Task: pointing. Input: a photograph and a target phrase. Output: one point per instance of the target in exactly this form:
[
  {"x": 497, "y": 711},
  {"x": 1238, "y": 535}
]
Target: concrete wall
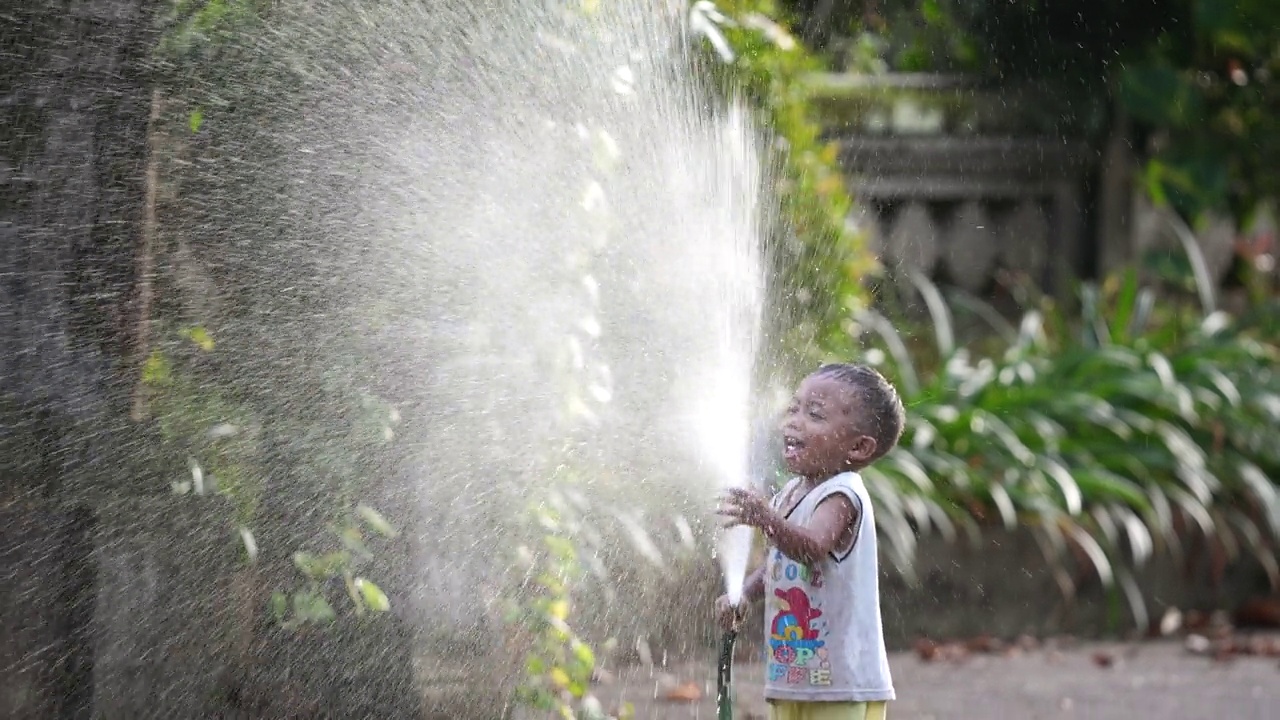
[
  {"x": 1004, "y": 586},
  {"x": 143, "y": 609},
  {"x": 43, "y": 658},
  {"x": 163, "y": 616}
]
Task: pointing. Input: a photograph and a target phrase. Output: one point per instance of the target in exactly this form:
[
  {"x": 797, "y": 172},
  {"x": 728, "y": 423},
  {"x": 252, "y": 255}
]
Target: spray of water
[
  {"x": 725, "y": 435},
  {"x": 722, "y": 396},
  {"x": 547, "y": 233}
]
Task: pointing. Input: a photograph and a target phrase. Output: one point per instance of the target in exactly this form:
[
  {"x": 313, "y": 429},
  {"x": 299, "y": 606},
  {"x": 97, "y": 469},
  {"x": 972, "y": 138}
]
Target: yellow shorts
[{"x": 791, "y": 710}]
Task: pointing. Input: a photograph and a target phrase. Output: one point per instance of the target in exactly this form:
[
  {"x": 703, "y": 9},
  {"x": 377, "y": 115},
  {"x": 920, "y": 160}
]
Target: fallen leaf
[
  {"x": 927, "y": 649},
  {"x": 1195, "y": 620},
  {"x": 1259, "y": 612},
  {"x": 1171, "y": 622},
  {"x": 1027, "y": 642},
  {"x": 954, "y": 652},
  {"x": 1221, "y": 622},
  {"x": 1197, "y": 644},
  {"x": 685, "y": 692},
  {"x": 985, "y": 644}
]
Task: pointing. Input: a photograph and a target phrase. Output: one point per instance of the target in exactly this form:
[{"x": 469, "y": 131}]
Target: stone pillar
[
  {"x": 1115, "y": 236},
  {"x": 913, "y": 242},
  {"x": 1066, "y": 261},
  {"x": 1024, "y": 239},
  {"x": 1217, "y": 240},
  {"x": 971, "y": 249}
]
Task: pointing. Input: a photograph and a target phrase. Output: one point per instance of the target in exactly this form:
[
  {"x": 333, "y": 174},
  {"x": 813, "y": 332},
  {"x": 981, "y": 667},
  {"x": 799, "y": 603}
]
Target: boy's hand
[
  {"x": 727, "y": 615},
  {"x": 743, "y": 507}
]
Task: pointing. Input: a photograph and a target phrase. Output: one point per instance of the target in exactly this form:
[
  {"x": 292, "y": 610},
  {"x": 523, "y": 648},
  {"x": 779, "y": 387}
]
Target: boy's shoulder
[
  {"x": 787, "y": 494},
  {"x": 848, "y": 479},
  {"x": 847, "y": 483}
]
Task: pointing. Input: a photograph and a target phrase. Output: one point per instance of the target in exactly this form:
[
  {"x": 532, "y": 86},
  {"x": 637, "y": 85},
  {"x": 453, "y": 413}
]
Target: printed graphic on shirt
[{"x": 797, "y": 651}]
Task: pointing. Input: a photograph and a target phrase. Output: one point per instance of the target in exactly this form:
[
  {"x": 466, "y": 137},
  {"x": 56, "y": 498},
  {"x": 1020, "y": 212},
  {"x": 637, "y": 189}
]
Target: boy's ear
[{"x": 862, "y": 450}]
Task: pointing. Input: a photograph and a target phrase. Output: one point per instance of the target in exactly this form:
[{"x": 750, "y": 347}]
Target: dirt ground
[{"x": 1096, "y": 681}]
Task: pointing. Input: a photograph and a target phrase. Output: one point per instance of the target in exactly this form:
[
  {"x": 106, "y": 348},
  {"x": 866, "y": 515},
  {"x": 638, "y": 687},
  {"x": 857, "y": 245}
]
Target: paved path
[{"x": 1151, "y": 680}]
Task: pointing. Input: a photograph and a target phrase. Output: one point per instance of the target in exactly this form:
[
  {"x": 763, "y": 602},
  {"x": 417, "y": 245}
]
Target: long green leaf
[
  {"x": 986, "y": 312},
  {"x": 943, "y": 327},
  {"x": 897, "y": 349},
  {"x": 1199, "y": 266},
  {"x": 1094, "y": 552}
]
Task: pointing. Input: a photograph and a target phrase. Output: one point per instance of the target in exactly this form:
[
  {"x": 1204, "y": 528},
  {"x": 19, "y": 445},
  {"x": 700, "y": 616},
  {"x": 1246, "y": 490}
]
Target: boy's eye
[{"x": 815, "y": 414}]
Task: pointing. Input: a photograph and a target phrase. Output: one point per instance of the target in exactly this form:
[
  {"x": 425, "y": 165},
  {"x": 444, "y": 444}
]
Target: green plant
[
  {"x": 217, "y": 435},
  {"x": 1112, "y": 435},
  {"x": 1206, "y": 87},
  {"x": 198, "y": 423},
  {"x": 190, "y": 27},
  {"x": 821, "y": 261},
  {"x": 558, "y": 663},
  {"x": 322, "y": 572}
]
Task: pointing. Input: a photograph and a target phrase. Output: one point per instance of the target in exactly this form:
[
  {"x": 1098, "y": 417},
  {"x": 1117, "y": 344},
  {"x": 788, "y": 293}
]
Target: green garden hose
[
  {"x": 724, "y": 678},
  {"x": 724, "y": 672}
]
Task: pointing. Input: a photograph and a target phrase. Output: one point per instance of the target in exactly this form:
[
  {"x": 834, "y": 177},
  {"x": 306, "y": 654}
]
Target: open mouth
[{"x": 791, "y": 447}]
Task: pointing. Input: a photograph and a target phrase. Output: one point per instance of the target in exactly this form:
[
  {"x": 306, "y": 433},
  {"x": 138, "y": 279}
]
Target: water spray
[
  {"x": 448, "y": 131},
  {"x": 735, "y": 550}
]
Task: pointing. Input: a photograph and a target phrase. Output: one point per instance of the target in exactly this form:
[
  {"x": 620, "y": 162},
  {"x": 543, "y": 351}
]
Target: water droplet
[{"x": 624, "y": 81}]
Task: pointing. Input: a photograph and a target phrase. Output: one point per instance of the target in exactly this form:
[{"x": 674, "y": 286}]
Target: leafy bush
[
  {"x": 820, "y": 260},
  {"x": 1112, "y": 435},
  {"x": 558, "y": 662}
]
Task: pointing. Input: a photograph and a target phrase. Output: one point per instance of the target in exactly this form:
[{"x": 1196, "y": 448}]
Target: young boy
[{"x": 823, "y": 633}]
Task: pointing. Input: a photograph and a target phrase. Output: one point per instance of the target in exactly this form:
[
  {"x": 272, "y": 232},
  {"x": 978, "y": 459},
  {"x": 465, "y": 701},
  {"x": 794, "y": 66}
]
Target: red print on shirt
[{"x": 797, "y": 612}]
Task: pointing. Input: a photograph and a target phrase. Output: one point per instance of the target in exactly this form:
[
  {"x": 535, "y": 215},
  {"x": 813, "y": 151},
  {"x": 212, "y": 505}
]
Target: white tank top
[{"x": 824, "y": 639}]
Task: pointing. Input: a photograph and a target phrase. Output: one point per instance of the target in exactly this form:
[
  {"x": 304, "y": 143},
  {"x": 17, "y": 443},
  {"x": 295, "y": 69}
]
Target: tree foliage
[
  {"x": 822, "y": 261},
  {"x": 1198, "y": 76},
  {"x": 1208, "y": 89}
]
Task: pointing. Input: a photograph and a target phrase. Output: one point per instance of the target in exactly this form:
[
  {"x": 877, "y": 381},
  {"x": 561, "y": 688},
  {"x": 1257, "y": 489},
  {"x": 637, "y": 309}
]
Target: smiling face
[{"x": 820, "y": 430}]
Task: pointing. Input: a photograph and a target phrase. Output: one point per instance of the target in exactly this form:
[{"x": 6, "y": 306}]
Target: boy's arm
[{"x": 831, "y": 520}]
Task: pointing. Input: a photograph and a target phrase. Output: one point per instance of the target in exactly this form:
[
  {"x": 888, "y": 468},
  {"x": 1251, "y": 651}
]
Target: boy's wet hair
[{"x": 880, "y": 402}]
